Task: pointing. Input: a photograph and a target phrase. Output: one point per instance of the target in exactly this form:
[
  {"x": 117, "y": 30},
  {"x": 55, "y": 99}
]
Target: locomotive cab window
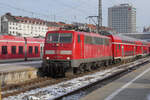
[
  {"x": 13, "y": 49},
  {"x": 59, "y": 38},
  {"x": 30, "y": 49},
  {"x": 4, "y": 50}
]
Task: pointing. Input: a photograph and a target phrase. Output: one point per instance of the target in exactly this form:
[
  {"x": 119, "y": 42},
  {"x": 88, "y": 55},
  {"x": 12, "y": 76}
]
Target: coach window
[
  {"x": 79, "y": 39},
  {"x": 30, "y": 49},
  {"x": 4, "y": 50},
  {"x": 36, "y": 50},
  {"x": 20, "y": 49},
  {"x": 119, "y": 47},
  {"x": 116, "y": 46},
  {"x": 13, "y": 49}
]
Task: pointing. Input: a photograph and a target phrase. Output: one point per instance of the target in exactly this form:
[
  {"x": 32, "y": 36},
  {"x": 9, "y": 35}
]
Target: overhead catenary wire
[
  {"x": 31, "y": 13},
  {"x": 76, "y": 8},
  {"x": 81, "y": 12}
]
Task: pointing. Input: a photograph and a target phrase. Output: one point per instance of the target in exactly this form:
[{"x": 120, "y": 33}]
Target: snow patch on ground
[{"x": 54, "y": 91}]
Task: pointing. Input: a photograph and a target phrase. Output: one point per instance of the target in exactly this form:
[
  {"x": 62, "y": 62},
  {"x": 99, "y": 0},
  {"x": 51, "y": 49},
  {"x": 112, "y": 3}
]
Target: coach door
[
  {"x": 134, "y": 51},
  {"x": 122, "y": 51},
  {"x": 25, "y": 54},
  {"x": 142, "y": 50},
  {"x": 80, "y": 46},
  {"x": 41, "y": 50}
]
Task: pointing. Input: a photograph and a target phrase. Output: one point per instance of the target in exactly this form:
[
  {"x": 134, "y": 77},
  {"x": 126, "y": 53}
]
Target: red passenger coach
[
  {"x": 34, "y": 48},
  {"x": 122, "y": 47},
  {"x": 148, "y": 47},
  {"x": 77, "y": 50},
  {"x": 14, "y": 48},
  {"x": 117, "y": 49},
  {"x": 8, "y": 49},
  {"x": 126, "y": 48}
]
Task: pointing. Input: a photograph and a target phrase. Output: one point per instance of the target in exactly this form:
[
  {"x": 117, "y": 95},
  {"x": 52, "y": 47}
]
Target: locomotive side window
[
  {"x": 4, "y": 50},
  {"x": 98, "y": 40},
  {"x": 65, "y": 38},
  {"x": 88, "y": 40},
  {"x": 106, "y": 42},
  {"x": 36, "y": 50},
  {"x": 13, "y": 49},
  {"x": 30, "y": 49},
  {"x": 20, "y": 49},
  {"x": 79, "y": 39}
]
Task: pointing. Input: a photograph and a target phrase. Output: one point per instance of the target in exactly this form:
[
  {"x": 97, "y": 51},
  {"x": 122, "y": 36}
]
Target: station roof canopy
[{"x": 142, "y": 36}]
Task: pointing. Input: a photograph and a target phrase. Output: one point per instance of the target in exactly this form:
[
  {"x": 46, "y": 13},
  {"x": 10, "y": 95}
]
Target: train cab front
[{"x": 58, "y": 52}]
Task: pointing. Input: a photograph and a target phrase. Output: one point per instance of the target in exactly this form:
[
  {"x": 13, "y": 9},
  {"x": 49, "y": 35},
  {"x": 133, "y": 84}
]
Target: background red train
[
  {"x": 83, "y": 51},
  {"x": 14, "y": 48}
]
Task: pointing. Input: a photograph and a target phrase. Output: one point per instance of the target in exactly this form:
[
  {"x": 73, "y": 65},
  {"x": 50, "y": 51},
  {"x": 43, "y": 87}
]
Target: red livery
[
  {"x": 14, "y": 48},
  {"x": 84, "y": 51}
]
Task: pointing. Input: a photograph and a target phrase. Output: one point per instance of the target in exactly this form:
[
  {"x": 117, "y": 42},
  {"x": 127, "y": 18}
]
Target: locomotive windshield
[{"x": 59, "y": 38}]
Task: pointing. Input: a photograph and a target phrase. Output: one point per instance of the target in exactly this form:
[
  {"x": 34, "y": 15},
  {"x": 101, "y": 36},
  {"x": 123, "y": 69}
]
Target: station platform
[
  {"x": 11, "y": 73},
  {"x": 132, "y": 86}
]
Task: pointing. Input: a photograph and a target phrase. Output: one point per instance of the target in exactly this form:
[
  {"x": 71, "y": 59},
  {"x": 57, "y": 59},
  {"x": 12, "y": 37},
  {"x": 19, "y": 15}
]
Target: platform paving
[
  {"x": 11, "y": 73},
  {"x": 132, "y": 86}
]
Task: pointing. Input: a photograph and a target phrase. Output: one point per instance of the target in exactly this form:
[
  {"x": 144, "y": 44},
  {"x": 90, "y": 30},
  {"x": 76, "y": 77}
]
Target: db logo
[{"x": 57, "y": 52}]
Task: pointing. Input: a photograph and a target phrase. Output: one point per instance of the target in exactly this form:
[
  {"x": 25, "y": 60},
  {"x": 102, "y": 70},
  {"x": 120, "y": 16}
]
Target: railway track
[{"x": 62, "y": 83}]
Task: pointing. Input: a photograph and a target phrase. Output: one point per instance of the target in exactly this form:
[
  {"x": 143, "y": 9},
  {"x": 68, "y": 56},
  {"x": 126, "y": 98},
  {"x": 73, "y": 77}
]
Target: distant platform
[
  {"x": 11, "y": 73},
  {"x": 132, "y": 86}
]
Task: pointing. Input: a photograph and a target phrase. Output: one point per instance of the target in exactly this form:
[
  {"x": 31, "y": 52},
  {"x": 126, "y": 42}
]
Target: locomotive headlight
[
  {"x": 68, "y": 58},
  {"x": 47, "y": 58}
]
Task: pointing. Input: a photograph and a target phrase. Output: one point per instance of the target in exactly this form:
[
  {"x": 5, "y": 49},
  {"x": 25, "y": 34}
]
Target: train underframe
[
  {"x": 54, "y": 68},
  {"x": 59, "y": 68}
]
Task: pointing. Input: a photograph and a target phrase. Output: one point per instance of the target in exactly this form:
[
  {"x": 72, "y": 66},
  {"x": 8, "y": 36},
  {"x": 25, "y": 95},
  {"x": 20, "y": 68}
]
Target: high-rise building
[{"x": 122, "y": 18}]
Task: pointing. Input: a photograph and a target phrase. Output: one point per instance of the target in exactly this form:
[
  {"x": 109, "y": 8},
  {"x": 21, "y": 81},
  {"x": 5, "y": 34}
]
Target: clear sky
[{"x": 72, "y": 10}]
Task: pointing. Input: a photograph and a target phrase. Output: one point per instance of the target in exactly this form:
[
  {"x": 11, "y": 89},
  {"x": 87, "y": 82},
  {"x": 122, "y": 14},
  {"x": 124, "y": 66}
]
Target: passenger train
[
  {"x": 83, "y": 51},
  {"x": 14, "y": 48}
]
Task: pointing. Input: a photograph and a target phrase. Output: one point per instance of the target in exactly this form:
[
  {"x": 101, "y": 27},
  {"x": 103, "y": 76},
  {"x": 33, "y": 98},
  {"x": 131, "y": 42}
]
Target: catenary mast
[{"x": 99, "y": 15}]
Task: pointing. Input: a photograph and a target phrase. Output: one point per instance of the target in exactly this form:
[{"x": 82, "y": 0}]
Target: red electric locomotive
[
  {"x": 14, "y": 48},
  {"x": 83, "y": 51},
  {"x": 76, "y": 50}
]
